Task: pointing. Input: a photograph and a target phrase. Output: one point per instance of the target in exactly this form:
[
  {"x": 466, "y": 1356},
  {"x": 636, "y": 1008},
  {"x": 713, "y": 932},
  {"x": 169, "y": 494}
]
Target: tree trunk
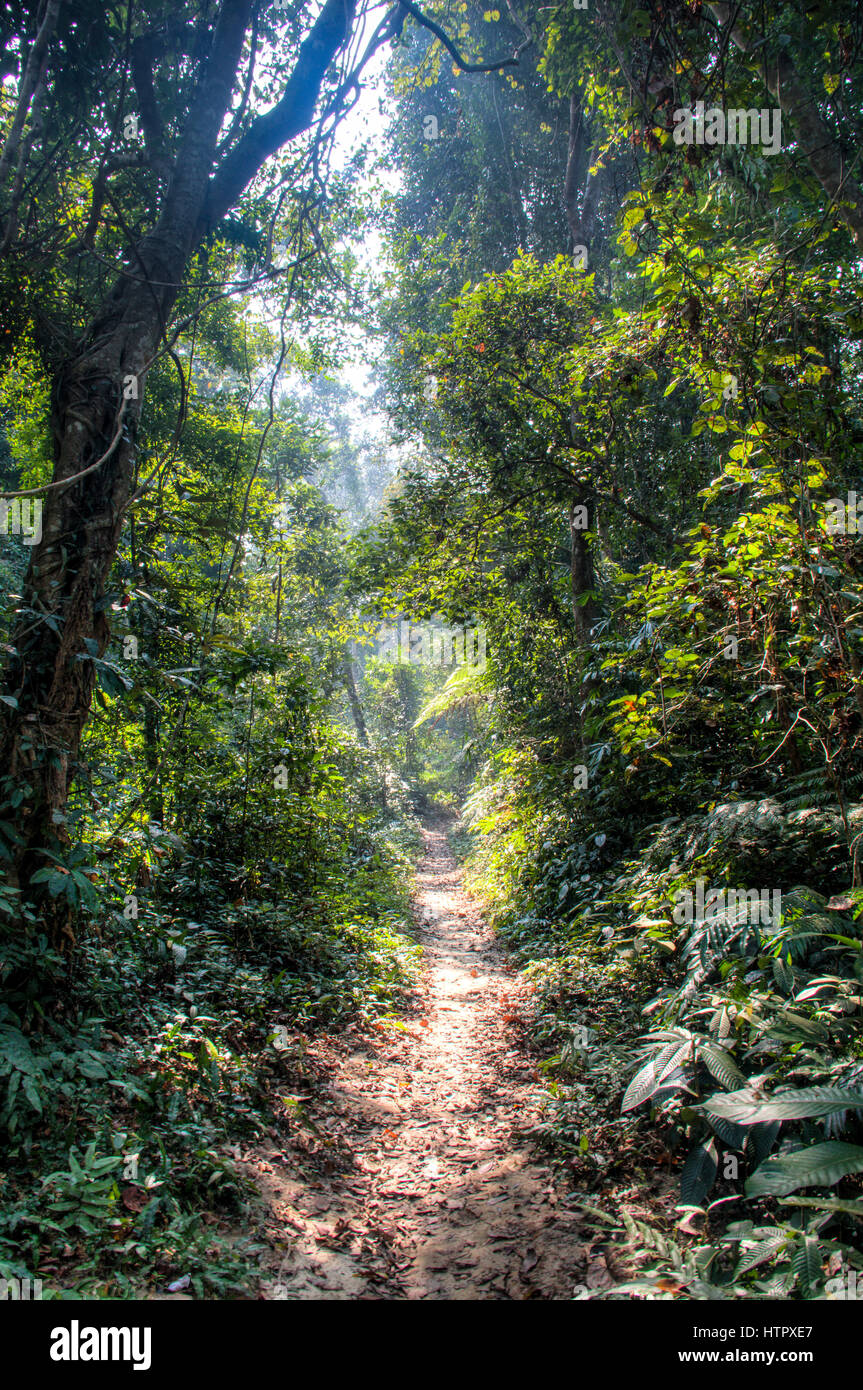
[
  {"x": 354, "y": 701},
  {"x": 580, "y": 202},
  {"x": 62, "y": 626}
]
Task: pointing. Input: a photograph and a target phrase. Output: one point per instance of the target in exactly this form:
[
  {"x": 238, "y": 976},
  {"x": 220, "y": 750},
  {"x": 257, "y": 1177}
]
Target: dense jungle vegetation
[{"x": 318, "y": 317}]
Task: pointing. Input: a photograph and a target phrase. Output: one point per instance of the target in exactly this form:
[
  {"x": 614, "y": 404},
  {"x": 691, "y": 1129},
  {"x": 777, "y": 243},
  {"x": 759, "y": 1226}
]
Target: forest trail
[{"x": 420, "y": 1183}]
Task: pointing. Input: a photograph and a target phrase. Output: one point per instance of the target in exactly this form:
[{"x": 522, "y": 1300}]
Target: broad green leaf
[
  {"x": 743, "y": 1108},
  {"x": 806, "y": 1263},
  {"x": 819, "y": 1165},
  {"x": 699, "y": 1173},
  {"x": 721, "y": 1065}
]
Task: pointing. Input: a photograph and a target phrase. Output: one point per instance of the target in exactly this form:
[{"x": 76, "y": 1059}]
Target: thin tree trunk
[
  {"x": 580, "y": 199},
  {"x": 30, "y": 81},
  {"x": 354, "y": 701},
  {"x": 96, "y": 398}
]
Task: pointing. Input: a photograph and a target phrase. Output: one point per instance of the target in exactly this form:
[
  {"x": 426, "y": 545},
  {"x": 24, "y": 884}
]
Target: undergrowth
[
  {"x": 704, "y": 1078},
  {"x": 178, "y": 1035}
]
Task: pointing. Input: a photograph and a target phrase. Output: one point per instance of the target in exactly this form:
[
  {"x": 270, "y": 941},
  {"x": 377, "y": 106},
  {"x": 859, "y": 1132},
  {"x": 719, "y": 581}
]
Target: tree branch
[
  {"x": 451, "y": 48},
  {"x": 293, "y": 114},
  {"x": 144, "y": 51},
  {"x": 31, "y": 79}
]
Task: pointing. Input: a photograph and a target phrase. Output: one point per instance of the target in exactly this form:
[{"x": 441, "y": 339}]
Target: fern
[{"x": 466, "y": 687}]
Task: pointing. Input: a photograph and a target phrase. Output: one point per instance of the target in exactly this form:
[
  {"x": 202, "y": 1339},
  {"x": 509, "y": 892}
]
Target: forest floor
[{"x": 414, "y": 1176}]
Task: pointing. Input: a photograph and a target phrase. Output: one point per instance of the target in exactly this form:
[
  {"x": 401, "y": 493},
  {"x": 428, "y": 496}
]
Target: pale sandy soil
[{"x": 420, "y": 1183}]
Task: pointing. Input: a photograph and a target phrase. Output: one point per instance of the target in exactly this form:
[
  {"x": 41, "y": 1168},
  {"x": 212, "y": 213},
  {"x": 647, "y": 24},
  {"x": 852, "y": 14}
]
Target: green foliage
[
  {"x": 626, "y": 471},
  {"x": 223, "y": 1006},
  {"x": 232, "y": 860}
]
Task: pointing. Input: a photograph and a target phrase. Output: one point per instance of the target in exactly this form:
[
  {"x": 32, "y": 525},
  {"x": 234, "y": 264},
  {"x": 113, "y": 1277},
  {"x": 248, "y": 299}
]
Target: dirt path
[{"x": 418, "y": 1184}]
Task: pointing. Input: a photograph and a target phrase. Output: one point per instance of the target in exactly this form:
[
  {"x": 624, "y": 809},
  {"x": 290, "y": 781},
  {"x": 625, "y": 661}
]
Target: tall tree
[{"x": 193, "y": 77}]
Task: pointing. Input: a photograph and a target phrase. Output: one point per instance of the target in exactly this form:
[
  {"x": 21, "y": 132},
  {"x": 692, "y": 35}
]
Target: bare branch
[{"x": 451, "y": 48}]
